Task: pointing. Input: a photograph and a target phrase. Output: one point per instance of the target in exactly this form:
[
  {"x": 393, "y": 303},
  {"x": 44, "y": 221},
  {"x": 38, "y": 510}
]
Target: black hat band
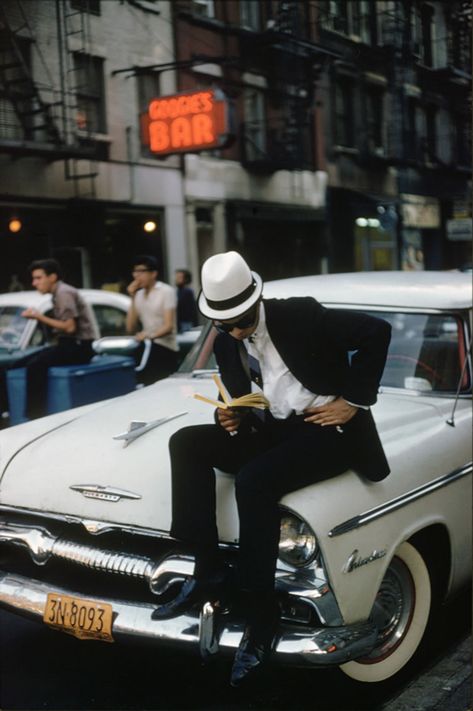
[{"x": 234, "y": 301}]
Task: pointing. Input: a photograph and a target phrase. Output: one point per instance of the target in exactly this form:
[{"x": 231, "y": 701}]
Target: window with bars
[{"x": 90, "y": 95}]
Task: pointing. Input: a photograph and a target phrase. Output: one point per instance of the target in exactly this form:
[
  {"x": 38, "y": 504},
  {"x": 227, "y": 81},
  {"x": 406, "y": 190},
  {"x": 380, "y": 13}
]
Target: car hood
[{"x": 47, "y": 465}]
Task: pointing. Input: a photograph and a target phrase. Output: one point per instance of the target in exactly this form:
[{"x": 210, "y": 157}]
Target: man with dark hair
[
  {"x": 186, "y": 306},
  {"x": 319, "y": 370},
  {"x": 152, "y": 315},
  {"x": 72, "y": 321}
]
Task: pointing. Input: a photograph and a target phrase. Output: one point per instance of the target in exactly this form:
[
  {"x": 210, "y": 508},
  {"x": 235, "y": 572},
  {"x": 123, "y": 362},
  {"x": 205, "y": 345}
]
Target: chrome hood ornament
[
  {"x": 104, "y": 493},
  {"x": 137, "y": 428}
]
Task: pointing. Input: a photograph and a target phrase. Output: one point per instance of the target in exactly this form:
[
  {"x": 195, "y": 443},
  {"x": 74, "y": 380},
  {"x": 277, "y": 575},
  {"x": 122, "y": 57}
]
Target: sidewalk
[{"x": 447, "y": 685}]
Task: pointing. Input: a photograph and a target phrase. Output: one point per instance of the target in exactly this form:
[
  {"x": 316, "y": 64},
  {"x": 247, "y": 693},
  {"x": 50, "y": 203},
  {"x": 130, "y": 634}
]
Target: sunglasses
[{"x": 245, "y": 321}]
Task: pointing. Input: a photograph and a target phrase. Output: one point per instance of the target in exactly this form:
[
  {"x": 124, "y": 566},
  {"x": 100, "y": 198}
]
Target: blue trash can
[{"x": 74, "y": 385}]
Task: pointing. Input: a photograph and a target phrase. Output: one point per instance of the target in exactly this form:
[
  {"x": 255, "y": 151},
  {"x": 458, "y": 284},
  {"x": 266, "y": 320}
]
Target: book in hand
[{"x": 250, "y": 400}]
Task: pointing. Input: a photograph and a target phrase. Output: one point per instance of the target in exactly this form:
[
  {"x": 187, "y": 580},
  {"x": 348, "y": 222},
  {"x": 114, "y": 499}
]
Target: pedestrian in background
[
  {"x": 73, "y": 323},
  {"x": 186, "y": 306},
  {"x": 152, "y": 315}
]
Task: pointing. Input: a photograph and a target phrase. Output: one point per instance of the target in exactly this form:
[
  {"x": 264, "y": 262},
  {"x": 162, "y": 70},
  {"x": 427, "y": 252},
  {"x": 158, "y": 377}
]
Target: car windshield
[
  {"x": 427, "y": 352},
  {"x": 12, "y": 326}
]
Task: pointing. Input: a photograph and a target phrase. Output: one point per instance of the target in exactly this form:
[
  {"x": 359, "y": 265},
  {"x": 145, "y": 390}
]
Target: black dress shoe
[
  {"x": 192, "y": 592},
  {"x": 253, "y": 652}
]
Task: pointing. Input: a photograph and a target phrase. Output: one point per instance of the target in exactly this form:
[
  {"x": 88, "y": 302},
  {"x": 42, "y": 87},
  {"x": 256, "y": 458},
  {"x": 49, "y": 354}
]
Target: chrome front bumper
[{"x": 297, "y": 645}]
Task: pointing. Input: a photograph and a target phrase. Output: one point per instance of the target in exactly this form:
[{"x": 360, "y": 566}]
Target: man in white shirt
[
  {"x": 152, "y": 315},
  {"x": 318, "y": 425}
]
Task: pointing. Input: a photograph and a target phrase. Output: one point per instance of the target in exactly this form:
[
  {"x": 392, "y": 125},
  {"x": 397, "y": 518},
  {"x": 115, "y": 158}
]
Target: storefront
[{"x": 95, "y": 242}]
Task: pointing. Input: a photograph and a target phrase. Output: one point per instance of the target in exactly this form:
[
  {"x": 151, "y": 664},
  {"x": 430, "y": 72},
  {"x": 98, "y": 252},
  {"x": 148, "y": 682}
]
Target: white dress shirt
[{"x": 284, "y": 392}]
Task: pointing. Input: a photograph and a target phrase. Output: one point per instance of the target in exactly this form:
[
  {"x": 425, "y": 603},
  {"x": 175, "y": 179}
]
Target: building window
[
  {"x": 92, "y": 6},
  {"x": 344, "y": 134},
  {"x": 413, "y": 118},
  {"x": 431, "y": 133},
  {"x": 15, "y": 93},
  {"x": 361, "y": 20},
  {"x": 462, "y": 147},
  {"x": 374, "y": 119},
  {"x": 255, "y": 124},
  {"x": 334, "y": 15},
  {"x": 204, "y": 8},
  {"x": 250, "y": 15},
  {"x": 90, "y": 114},
  {"x": 349, "y": 18},
  {"x": 426, "y": 18},
  {"x": 148, "y": 88}
]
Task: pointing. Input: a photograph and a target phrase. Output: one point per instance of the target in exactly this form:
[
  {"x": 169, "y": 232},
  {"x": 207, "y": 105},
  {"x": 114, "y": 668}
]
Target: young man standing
[{"x": 152, "y": 315}]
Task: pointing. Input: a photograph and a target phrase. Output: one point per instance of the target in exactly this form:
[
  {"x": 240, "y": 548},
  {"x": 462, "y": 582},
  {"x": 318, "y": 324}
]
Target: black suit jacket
[{"x": 331, "y": 352}]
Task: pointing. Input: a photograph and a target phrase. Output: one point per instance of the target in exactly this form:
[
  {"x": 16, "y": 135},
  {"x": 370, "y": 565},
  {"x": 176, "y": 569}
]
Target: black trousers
[
  {"x": 280, "y": 458},
  {"x": 162, "y": 362},
  {"x": 68, "y": 351}
]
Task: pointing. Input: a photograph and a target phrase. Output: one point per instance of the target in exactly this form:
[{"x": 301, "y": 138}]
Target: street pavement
[{"x": 446, "y": 686}]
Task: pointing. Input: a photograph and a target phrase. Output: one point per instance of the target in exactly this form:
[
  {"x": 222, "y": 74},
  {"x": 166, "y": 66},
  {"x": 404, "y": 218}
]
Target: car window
[
  {"x": 110, "y": 320},
  {"x": 12, "y": 326},
  {"x": 427, "y": 352}
]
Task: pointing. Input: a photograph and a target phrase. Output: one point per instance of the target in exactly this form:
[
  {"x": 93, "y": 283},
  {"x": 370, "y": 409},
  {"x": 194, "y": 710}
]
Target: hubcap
[{"x": 392, "y": 610}]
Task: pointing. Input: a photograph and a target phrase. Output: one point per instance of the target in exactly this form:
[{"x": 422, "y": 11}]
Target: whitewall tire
[{"x": 401, "y": 611}]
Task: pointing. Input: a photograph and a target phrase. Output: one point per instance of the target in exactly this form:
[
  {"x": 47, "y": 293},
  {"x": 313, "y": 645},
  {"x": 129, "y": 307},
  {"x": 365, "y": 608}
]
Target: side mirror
[
  {"x": 123, "y": 345},
  {"x": 115, "y": 345}
]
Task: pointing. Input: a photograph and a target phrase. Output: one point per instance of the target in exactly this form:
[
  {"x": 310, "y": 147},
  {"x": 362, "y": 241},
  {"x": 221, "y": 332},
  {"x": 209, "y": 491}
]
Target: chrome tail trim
[{"x": 315, "y": 646}]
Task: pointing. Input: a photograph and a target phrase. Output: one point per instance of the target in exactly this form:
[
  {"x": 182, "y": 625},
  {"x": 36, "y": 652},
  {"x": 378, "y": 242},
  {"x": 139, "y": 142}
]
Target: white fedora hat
[{"x": 229, "y": 287}]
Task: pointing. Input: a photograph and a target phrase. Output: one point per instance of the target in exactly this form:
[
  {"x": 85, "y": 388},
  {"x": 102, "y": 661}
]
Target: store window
[{"x": 375, "y": 247}]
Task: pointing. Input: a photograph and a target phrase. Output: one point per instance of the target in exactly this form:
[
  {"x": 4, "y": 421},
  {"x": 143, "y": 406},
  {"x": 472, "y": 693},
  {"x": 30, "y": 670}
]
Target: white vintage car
[{"x": 85, "y": 501}]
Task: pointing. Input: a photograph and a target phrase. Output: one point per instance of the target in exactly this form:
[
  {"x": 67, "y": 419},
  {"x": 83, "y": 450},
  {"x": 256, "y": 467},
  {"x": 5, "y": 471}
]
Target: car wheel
[{"x": 401, "y": 611}]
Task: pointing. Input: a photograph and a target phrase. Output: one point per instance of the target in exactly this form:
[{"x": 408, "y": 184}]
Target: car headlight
[{"x": 297, "y": 541}]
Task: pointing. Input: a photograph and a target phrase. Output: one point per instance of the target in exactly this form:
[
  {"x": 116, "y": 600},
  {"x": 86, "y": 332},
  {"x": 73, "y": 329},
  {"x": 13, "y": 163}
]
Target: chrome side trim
[
  {"x": 399, "y": 502},
  {"x": 303, "y": 646}
]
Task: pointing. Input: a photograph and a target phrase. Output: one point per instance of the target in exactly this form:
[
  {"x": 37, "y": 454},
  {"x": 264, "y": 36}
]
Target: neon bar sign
[{"x": 186, "y": 122}]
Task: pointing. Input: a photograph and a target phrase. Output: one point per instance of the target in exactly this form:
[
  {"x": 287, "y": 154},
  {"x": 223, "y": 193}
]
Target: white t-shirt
[{"x": 150, "y": 309}]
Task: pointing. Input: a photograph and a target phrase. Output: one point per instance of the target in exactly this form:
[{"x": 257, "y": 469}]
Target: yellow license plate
[{"x": 84, "y": 619}]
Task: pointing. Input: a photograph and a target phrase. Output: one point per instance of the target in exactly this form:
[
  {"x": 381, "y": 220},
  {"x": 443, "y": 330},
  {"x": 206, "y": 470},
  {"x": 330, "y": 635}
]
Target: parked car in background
[
  {"x": 85, "y": 501},
  {"x": 20, "y": 336}
]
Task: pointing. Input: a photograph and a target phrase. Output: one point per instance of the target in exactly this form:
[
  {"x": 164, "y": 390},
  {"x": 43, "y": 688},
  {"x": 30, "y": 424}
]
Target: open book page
[{"x": 257, "y": 400}]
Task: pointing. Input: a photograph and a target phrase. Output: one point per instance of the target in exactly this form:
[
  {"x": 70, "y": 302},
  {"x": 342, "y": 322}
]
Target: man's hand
[
  {"x": 141, "y": 336},
  {"x": 337, "y": 412},
  {"x": 229, "y": 419},
  {"x": 133, "y": 287},
  {"x": 30, "y": 313}
]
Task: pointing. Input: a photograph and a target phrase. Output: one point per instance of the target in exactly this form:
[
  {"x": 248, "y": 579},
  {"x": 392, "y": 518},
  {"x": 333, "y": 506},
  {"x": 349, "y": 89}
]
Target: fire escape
[
  {"x": 292, "y": 62},
  {"x": 38, "y": 114}
]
